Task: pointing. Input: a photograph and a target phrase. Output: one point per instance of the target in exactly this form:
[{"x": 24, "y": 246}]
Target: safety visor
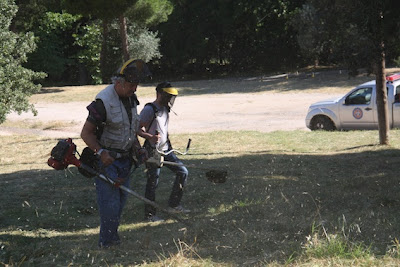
[
  {"x": 171, "y": 91},
  {"x": 134, "y": 71},
  {"x": 168, "y": 96},
  {"x": 171, "y": 101}
]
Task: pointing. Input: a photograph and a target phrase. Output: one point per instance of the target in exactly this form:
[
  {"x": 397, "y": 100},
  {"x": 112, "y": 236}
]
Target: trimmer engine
[{"x": 63, "y": 154}]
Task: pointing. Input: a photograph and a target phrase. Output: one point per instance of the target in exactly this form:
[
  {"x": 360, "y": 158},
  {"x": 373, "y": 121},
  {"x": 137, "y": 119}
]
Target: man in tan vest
[{"x": 111, "y": 132}]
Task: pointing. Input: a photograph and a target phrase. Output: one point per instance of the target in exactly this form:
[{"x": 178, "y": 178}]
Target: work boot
[
  {"x": 154, "y": 218},
  {"x": 178, "y": 209},
  {"x": 110, "y": 245}
]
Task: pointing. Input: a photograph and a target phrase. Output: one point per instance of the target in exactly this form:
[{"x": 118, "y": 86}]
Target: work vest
[{"x": 118, "y": 133}]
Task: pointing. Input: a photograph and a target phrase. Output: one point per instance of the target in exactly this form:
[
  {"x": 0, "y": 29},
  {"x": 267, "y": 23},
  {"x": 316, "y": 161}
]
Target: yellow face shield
[
  {"x": 167, "y": 93},
  {"x": 171, "y": 91}
]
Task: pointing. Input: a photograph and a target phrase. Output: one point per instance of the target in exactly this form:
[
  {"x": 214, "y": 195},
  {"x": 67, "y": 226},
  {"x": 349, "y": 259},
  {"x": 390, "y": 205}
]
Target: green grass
[{"x": 291, "y": 198}]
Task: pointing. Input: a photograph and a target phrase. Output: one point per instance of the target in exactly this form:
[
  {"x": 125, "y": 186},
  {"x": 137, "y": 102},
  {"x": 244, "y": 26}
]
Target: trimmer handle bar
[{"x": 174, "y": 150}]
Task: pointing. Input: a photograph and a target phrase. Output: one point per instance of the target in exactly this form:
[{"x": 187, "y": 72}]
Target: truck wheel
[{"x": 322, "y": 123}]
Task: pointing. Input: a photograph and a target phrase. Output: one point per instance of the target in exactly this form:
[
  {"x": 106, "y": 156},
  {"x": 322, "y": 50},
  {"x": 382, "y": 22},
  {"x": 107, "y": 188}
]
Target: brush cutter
[
  {"x": 63, "y": 154},
  {"x": 215, "y": 176}
]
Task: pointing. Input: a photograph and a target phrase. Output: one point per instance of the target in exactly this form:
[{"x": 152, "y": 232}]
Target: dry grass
[
  {"x": 279, "y": 185},
  {"x": 28, "y": 124},
  {"x": 78, "y": 93},
  {"x": 335, "y": 82}
]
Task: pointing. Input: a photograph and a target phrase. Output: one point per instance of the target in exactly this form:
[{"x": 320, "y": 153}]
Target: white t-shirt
[{"x": 159, "y": 122}]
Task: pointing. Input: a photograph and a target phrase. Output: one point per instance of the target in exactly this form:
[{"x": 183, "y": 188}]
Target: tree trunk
[
  {"x": 381, "y": 98},
  {"x": 124, "y": 37},
  {"x": 83, "y": 74},
  {"x": 103, "y": 51}
]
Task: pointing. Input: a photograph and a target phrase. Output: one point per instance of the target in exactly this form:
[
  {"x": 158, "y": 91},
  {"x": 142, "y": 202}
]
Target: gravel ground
[{"x": 263, "y": 112}]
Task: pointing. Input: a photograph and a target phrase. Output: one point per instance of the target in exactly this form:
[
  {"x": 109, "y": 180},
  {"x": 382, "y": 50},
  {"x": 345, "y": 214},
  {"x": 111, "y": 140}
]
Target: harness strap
[{"x": 155, "y": 110}]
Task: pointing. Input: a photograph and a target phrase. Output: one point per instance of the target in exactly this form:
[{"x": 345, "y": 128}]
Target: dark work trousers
[
  {"x": 153, "y": 176},
  {"x": 111, "y": 200}
]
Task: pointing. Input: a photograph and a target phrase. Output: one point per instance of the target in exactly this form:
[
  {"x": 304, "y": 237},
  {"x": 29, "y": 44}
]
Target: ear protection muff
[
  {"x": 134, "y": 70},
  {"x": 121, "y": 72}
]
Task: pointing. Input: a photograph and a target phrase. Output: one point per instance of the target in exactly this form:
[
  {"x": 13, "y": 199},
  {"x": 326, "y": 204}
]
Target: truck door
[
  {"x": 359, "y": 110},
  {"x": 396, "y": 108}
]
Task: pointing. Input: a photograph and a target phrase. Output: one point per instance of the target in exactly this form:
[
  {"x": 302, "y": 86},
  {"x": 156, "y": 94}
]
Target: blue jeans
[
  {"x": 153, "y": 176},
  {"x": 111, "y": 200}
]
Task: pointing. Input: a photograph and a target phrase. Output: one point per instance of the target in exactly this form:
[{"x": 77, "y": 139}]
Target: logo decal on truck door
[{"x": 357, "y": 113}]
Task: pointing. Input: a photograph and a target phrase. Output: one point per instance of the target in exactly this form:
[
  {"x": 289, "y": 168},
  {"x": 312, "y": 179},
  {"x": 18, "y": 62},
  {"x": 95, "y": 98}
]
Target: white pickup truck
[{"x": 357, "y": 109}]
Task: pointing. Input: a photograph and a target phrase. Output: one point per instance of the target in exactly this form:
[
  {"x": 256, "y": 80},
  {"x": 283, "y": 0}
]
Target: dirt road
[{"x": 263, "y": 112}]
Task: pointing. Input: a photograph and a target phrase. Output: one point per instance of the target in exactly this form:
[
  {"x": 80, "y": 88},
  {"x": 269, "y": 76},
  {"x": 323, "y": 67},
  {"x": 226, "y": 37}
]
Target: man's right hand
[{"x": 155, "y": 138}]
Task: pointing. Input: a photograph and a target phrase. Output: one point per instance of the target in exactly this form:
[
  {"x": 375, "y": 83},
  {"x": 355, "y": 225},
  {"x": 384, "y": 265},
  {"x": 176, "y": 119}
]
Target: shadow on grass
[
  {"x": 277, "y": 198},
  {"x": 50, "y": 91},
  {"x": 264, "y": 211},
  {"x": 280, "y": 83}
]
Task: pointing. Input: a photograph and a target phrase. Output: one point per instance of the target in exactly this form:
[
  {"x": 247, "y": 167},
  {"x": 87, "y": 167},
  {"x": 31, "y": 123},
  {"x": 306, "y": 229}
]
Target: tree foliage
[
  {"x": 143, "y": 43},
  {"x": 203, "y": 37},
  {"x": 98, "y": 9},
  {"x": 242, "y": 35},
  {"x": 347, "y": 32},
  {"x": 16, "y": 81},
  {"x": 56, "y": 51},
  {"x": 141, "y": 13},
  {"x": 88, "y": 39},
  {"x": 148, "y": 13},
  {"x": 30, "y": 12}
]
